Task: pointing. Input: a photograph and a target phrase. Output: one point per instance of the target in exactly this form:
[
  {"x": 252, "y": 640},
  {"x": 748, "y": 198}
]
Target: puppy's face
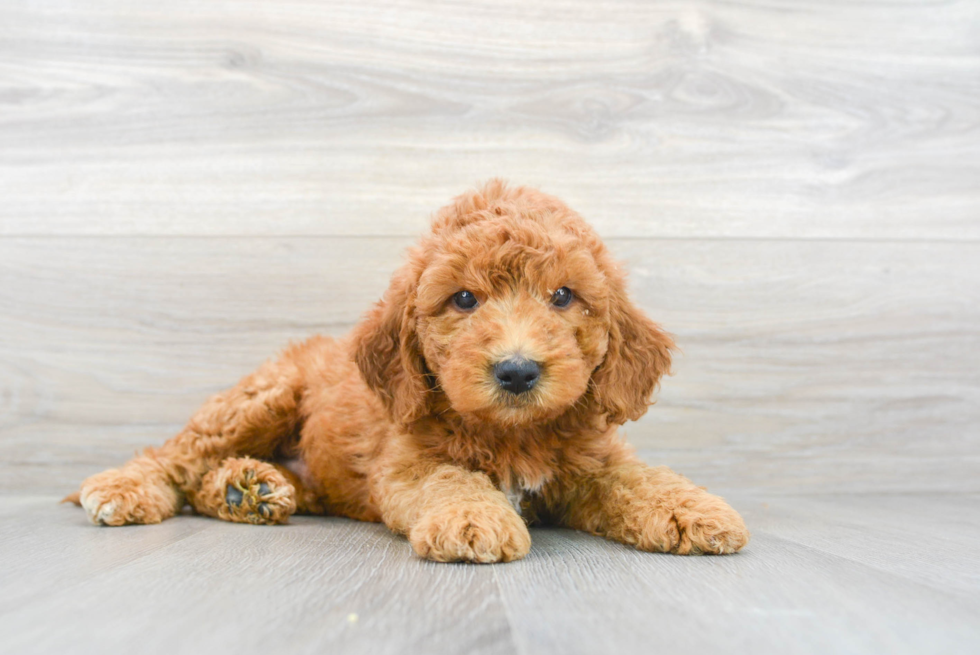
[
  {"x": 512, "y": 319},
  {"x": 510, "y": 312}
]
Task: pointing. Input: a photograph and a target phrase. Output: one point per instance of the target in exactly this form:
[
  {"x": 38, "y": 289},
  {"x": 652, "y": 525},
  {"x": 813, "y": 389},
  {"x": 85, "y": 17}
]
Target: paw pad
[
  {"x": 253, "y": 501},
  {"x": 234, "y": 496}
]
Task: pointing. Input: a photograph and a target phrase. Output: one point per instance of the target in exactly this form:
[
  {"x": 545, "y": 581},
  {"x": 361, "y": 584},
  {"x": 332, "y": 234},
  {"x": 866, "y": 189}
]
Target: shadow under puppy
[{"x": 482, "y": 393}]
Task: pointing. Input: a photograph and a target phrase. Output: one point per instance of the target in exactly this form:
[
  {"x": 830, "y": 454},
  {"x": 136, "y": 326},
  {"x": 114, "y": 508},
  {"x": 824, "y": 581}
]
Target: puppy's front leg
[
  {"x": 653, "y": 509},
  {"x": 450, "y": 514}
]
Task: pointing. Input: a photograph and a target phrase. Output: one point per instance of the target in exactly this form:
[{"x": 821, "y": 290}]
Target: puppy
[{"x": 480, "y": 395}]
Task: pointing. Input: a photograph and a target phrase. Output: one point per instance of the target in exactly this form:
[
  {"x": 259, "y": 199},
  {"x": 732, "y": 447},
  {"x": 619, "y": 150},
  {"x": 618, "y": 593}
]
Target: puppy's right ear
[{"x": 388, "y": 354}]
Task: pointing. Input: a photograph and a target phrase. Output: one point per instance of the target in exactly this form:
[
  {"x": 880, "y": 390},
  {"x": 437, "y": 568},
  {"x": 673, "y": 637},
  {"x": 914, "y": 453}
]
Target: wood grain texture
[
  {"x": 225, "y": 590},
  {"x": 806, "y": 365},
  {"x": 191, "y": 583},
  {"x": 677, "y": 119}
]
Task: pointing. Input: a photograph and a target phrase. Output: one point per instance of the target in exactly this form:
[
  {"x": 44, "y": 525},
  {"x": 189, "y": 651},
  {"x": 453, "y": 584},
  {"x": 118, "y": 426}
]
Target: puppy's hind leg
[{"x": 252, "y": 419}]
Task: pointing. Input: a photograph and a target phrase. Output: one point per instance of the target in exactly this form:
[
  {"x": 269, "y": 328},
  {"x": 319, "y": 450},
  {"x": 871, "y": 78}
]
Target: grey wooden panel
[
  {"x": 845, "y": 585},
  {"x": 47, "y": 548},
  {"x": 807, "y": 365},
  {"x": 775, "y": 597},
  {"x": 933, "y": 540},
  {"x": 227, "y": 589},
  {"x": 770, "y": 119}
]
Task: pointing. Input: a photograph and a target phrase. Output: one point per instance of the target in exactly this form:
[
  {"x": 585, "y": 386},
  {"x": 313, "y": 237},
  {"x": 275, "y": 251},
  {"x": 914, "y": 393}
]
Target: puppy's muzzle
[{"x": 517, "y": 374}]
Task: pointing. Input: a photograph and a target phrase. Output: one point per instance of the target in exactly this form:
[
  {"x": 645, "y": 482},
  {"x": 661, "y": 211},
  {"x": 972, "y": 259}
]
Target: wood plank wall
[{"x": 795, "y": 187}]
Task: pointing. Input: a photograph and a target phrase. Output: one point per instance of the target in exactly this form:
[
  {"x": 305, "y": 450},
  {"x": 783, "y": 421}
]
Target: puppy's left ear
[{"x": 637, "y": 357}]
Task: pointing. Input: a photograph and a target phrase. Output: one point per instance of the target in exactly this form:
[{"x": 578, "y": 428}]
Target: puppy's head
[{"x": 510, "y": 312}]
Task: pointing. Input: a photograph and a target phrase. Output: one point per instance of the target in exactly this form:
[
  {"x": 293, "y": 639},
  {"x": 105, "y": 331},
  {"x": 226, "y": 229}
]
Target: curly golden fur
[{"x": 406, "y": 421}]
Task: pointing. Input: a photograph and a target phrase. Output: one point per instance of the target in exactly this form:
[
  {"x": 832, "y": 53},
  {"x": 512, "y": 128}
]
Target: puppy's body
[{"x": 482, "y": 392}]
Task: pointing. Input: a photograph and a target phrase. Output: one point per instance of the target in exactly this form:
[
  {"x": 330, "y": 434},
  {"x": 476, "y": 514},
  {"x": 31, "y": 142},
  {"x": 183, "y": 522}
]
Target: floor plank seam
[
  {"x": 25, "y": 603},
  {"x": 953, "y": 594},
  {"x": 519, "y": 648}
]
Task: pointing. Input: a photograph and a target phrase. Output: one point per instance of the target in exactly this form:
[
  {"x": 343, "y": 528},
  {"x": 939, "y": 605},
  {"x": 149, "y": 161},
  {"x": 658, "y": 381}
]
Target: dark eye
[
  {"x": 464, "y": 299},
  {"x": 562, "y": 297}
]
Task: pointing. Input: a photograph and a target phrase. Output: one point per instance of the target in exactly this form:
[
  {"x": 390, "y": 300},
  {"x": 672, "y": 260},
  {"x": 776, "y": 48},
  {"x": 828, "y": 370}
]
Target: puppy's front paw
[
  {"x": 709, "y": 527},
  {"x": 698, "y": 524},
  {"x": 474, "y": 532},
  {"x": 120, "y": 497}
]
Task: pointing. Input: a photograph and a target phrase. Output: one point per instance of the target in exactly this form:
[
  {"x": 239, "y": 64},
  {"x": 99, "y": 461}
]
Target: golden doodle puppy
[{"x": 480, "y": 395}]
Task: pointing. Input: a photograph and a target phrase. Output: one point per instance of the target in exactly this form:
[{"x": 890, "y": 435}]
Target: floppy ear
[
  {"x": 637, "y": 356},
  {"x": 387, "y": 351}
]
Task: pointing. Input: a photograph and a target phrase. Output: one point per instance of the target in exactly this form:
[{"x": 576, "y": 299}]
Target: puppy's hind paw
[
  {"x": 244, "y": 490},
  {"x": 260, "y": 503},
  {"x": 121, "y": 497}
]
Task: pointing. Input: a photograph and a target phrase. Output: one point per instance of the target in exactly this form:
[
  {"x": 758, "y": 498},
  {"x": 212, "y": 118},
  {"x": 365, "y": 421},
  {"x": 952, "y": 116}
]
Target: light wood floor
[
  {"x": 836, "y": 574},
  {"x": 794, "y": 186}
]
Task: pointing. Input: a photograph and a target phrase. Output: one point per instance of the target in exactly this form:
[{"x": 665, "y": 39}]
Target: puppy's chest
[
  {"x": 518, "y": 479},
  {"x": 518, "y": 491},
  {"x": 520, "y": 465}
]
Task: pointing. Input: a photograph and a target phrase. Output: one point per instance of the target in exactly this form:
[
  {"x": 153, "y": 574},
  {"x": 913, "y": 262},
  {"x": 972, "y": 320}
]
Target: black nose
[{"x": 517, "y": 374}]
